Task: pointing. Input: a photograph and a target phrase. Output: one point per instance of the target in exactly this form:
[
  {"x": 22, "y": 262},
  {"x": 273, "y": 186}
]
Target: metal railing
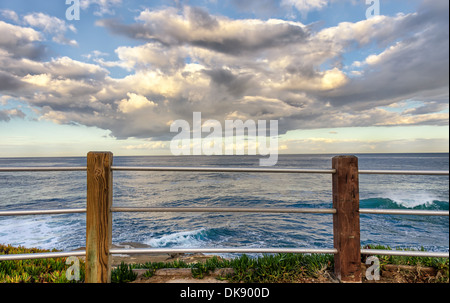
[{"x": 335, "y": 212}]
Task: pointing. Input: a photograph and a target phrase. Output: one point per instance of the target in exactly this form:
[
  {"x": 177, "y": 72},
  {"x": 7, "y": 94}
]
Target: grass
[{"x": 279, "y": 268}]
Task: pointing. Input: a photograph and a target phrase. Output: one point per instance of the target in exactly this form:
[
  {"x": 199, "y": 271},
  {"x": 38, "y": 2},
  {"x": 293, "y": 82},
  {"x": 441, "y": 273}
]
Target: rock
[{"x": 176, "y": 255}]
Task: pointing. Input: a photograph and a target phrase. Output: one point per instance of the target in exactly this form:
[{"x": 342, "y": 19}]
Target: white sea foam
[
  {"x": 187, "y": 239},
  {"x": 411, "y": 199},
  {"x": 29, "y": 232},
  {"x": 39, "y": 232}
]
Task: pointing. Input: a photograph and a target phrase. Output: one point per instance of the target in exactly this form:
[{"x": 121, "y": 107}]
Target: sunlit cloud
[{"x": 164, "y": 63}]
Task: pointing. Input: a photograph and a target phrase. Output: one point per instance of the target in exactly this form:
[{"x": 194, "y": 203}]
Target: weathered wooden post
[
  {"x": 346, "y": 227},
  {"x": 98, "y": 217}
]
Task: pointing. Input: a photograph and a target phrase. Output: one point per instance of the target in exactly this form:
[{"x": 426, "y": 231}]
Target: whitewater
[{"x": 53, "y": 190}]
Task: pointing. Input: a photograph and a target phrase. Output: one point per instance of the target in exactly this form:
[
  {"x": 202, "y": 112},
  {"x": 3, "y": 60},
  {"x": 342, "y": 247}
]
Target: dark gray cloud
[
  {"x": 197, "y": 27},
  {"x": 191, "y": 60},
  {"x": 428, "y": 108},
  {"x": 21, "y": 42},
  {"x": 236, "y": 85},
  {"x": 9, "y": 82},
  {"x": 200, "y": 18},
  {"x": 133, "y": 31}
]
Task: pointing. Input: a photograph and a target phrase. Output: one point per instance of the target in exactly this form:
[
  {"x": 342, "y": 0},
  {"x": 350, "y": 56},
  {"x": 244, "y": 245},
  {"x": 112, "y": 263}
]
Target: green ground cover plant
[
  {"x": 269, "y": 268},
  {"x": 36, "y": 270}
]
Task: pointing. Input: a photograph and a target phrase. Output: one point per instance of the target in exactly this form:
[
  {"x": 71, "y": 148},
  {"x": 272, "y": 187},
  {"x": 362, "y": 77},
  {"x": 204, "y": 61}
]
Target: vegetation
[
  {"x": 286, "y": 268},
  {"x": 123, "y": 274},
  {"x": 440, "y": 264},
  {"x": 34, "y": 271},
  {"x": 279, "y": 268},
  {"x": 267, "y": 269}
]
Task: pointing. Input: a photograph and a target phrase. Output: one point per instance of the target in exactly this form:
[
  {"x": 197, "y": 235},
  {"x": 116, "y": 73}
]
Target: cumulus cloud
[
  {"x": 198, "y": 28},
  {"x": 415, "y": 64},
  {"x": 17, "y": 41},
  {"x": 51, "y": 25},
  {"x": 9, "y": 82},
  {"x": 134, "y": 103},
  {"x": 147, "y": 56},
  {"x": 187, "y": 59}
]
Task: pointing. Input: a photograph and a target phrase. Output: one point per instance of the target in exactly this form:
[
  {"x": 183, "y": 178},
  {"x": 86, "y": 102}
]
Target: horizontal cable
[
  {"x": 404, "y": 172},
  {"x": 41, "y": 169},
  {"x": 220, "y": 250},
  {"x": 404, "y": 253},
  {"x": 226, "y": 170},
  {"x": 411, "y": 212},
  {"x": 49, "y": 255},
  {"x": 42, "y": 212},
  {"x": 223, "y": 210}
]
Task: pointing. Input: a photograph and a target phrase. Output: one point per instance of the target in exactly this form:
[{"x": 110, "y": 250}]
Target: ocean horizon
[{"x": 53, "y": 190}]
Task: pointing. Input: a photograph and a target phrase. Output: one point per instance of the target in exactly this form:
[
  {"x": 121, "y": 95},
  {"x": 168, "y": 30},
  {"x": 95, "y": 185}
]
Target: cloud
[
  {"x": 148, "y": 56},
  {"x": 195, "y": 27},
  {"x": 431, "y": 107},
  {"x": 4, "y": 99},
  {"x": 9, "y": 82},
  {"x": 69, "y": 68},
  {"x": 412, "y": 65},
  {"x": 17, "y": 41},
  {"x": 8, "y": 114},
  {"x": 51, "y": 25},
  {"x": 271, "y": 7},
  {"x": 9, "y": 14},
  {"x": 95, "y": 54},
  {"x": 187, "y": 59},
  {"x": 134, "y": 103},
  {"x": 305, "y": 6},
  {"x": 60, "y": 84},
  {"x": 104, "y": 6}
]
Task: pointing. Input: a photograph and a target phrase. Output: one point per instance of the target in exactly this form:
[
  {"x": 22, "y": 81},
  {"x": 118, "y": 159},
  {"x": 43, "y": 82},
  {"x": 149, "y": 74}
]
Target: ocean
[{"x": 53, "y": 190}]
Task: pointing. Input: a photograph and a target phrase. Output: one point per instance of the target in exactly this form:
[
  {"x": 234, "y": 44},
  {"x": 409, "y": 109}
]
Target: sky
[{"x": 339, "y": 76}]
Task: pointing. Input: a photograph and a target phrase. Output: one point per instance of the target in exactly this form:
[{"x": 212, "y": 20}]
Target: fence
[{"x": 346, "y": 229}]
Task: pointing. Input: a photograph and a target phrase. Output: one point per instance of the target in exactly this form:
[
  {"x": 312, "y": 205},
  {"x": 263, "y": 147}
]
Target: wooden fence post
[
  {"x": 98, "y": 217},
  {"x": 346, "y": 227}
]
